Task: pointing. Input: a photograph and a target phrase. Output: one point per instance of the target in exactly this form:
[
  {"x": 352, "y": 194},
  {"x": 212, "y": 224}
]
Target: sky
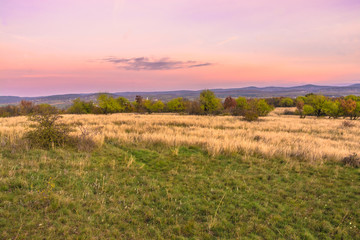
[{"x": 82, "y": 46}]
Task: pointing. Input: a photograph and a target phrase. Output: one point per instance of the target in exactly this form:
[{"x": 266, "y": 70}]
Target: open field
[
  {"x": 310, "y": 139},
  {"x": 183, "y": 177}
]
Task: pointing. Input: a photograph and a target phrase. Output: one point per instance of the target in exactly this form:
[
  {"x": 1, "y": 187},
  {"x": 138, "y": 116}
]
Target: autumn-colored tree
[
  {"x": 193, "y": 107},
  {"x": 300, "y": 107},
  {"x": 26, "y": 107},
  {"x": 229, "y": 103},
  {"x": 348, "y": 107},
  {"x": 139, "y": 104}
]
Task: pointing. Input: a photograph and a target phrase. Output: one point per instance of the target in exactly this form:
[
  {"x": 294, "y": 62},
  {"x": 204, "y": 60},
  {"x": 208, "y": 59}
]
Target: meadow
[
  {"x": 311, "y": 139},
  {"x": 167, "y": 176}
]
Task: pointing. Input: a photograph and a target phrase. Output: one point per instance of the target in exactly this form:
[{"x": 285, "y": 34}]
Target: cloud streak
[{"x": 144, "y": 63}]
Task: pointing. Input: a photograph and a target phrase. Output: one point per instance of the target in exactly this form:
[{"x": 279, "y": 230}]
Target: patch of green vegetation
[{"x": 155, "y": 192}]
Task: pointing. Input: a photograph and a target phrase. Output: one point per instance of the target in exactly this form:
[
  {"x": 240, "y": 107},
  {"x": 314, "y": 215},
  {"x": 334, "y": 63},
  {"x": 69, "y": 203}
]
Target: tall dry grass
[{"x": 309, "y": 139}]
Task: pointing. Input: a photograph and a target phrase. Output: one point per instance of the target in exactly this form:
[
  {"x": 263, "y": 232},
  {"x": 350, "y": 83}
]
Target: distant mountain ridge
[{"x": 251, "y": 91}]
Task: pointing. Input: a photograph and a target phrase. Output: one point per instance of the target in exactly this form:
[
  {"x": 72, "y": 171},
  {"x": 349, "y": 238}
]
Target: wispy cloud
[
  {"x": 144, "y": 63},
  {"x": 227, "y": 40}
]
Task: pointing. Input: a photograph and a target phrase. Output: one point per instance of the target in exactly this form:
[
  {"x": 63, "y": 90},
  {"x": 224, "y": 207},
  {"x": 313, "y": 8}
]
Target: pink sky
[{"x": 77, "y": 46}]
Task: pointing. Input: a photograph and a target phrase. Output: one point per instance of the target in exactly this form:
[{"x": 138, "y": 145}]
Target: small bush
[
  {"x": 348, "y": 124},
  {"x": 250, "y": 116},
  {"x": 84, "y": 142},
  {"x": 257, "y": 138},
  {"x": 289, "y": 112},
  {"x": 353, "y": 160},
  {"x": 46, "y": 131}
]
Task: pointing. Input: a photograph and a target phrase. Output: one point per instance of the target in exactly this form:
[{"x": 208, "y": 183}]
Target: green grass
[{"x": 139, "y": 192}]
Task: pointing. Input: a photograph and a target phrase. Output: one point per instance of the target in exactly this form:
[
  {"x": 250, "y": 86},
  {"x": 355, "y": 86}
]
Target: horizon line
[{"x": 178, "y": 90}]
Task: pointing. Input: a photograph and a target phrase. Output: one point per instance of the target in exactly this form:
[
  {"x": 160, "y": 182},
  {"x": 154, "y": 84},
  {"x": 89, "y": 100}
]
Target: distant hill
[{"x": 265, "y": 92}]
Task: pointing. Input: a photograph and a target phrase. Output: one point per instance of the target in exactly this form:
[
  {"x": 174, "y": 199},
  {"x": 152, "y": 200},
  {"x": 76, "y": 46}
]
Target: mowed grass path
[{"x": 157, "y": 192}]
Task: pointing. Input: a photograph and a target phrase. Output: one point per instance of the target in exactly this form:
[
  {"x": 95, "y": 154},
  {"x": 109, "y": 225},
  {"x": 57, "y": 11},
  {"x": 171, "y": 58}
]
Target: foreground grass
[{"x": 138, "y": 192}]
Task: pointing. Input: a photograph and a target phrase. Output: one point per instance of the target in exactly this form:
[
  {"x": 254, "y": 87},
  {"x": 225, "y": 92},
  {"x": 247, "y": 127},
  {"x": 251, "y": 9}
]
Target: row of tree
[
  {"x": 318, "y": 105},
  {"x": 26, "y": 108},
  {"x": 207, "y": 104}
]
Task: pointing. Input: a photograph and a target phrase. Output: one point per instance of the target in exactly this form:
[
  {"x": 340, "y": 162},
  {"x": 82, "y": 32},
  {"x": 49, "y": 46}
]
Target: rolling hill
[{"x": 264, "y": 92}]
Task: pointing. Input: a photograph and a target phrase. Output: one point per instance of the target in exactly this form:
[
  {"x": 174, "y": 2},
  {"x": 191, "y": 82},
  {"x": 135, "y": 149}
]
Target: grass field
[{"x": 183, "y": 177}]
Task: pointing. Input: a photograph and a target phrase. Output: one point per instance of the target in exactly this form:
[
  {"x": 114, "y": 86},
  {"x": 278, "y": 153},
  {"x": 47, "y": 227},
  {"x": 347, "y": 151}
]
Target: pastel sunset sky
[{"x": 78, "y": 46}]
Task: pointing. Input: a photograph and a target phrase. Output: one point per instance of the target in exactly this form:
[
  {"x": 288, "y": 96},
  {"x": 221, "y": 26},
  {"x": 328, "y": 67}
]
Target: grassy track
[{"x": 157, "y": 192}]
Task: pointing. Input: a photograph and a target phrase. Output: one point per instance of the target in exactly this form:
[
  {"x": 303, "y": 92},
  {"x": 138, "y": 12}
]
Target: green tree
[
  {"x": 45, "y": 109},
  {"x": 332, "y": 108},
  {"x": 352, "y": 97},
  {"x": 108, "y": 104},
  {"x": 125, "y": 104},
  {"x": 147, "y": 105},
  {"x": 157, "y": 106},
  {"x": 317, "y": 102},
  {"x": 209, "y": 102},
  {"x": 241, "y": 106},
  {"x": 263, "y": 109},
  {"x": 176, "y": 105},
  {"x": 308, "y": 110},
  {"x": 151, "y": 106},
  {"x": 251, "y": 112},
  {"x": 287, "y": 102},
  {"x": 81, "y": 107}
]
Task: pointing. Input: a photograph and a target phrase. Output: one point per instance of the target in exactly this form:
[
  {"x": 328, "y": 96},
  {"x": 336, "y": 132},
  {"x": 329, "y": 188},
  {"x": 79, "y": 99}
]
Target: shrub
[
  {"x": 241, "y": 106},
  {"x": 289, "y": 112},
  {"x": 193, "y": 108},
  {"x": 353, "y": 160},
  {"x": 47, "y": 132},
  {"x": 251, "y": 115},
  {"x": 84, "y": 142},
  {"x": 348, "y": 124}
]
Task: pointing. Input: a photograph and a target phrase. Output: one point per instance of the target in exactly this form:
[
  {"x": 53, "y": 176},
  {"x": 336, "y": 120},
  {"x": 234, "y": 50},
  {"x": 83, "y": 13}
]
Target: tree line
[
  {"x": 206, "y": 104},
  {"x": 319, "y": 105}
]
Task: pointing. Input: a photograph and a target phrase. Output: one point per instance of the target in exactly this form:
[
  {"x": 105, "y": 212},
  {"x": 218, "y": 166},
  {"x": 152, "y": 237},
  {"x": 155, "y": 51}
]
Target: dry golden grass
[{"x": 276, "y": 135}]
